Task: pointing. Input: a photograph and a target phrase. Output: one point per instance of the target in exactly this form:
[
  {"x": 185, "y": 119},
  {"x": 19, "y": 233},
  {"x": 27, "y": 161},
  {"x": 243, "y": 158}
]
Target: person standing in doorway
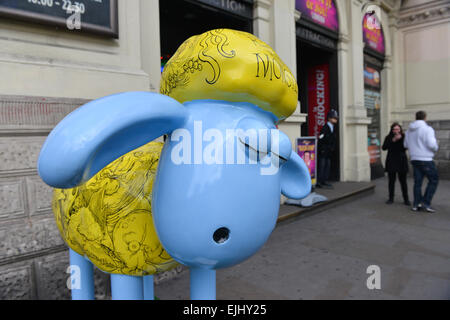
[
  {"x": 396, "y": 162},
  {"x": 326, "y": 147},
  {"x": 421, "y": 141}
]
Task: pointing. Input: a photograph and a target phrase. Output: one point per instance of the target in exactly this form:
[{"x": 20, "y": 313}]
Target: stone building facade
[
  {"x": 46, "y": 72},
  {"x": 422, "y": 70}
]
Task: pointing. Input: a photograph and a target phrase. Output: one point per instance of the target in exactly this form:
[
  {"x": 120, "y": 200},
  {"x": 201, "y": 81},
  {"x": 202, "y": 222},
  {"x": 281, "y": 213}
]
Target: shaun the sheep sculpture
[{"x": 216, "y": 191}]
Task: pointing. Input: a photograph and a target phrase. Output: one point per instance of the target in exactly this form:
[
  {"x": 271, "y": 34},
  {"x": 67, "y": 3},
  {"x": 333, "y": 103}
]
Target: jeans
[
  {"x": 324, "y": 169},
  {"x": 424, "y": 169}
]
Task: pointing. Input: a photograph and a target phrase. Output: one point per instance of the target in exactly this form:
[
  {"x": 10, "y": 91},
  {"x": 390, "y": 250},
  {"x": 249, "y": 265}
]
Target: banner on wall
[
  {"x": 322, "y": 12},
  {"x": 373, "y": 36},
  {"x": 318, "y": 98},
  {"x": 307, "y": 150}
]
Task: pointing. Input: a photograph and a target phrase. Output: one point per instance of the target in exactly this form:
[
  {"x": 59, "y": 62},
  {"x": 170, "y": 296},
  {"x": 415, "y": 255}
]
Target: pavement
[
  {"x": 340, "y": 193},
  {"x": 326, "y": 252}
]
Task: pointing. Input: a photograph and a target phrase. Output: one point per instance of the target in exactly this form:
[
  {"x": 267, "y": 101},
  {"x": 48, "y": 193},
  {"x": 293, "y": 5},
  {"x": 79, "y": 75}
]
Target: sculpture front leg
[
  {"x": 82, "y": 277},
  {"x": 203, "y": 284},
  {"x": 124, "y": 287},
  {"x": 149, "y": 292}
]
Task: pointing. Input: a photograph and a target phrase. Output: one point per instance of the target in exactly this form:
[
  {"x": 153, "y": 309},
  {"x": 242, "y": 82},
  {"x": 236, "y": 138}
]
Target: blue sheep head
[{"x": 224, "y": 164}]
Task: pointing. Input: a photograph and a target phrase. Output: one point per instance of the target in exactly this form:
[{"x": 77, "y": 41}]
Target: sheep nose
[{"x": 221, "y": 235}]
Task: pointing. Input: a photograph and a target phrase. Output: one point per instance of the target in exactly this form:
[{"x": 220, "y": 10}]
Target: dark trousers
[
  {"x": 403, "y": 185},
  {"x": 424, "y": 169},
  {"x": 324, "y": 169}
]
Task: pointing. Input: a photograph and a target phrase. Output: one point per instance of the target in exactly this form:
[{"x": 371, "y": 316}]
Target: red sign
[{"x": 318, "y": 98}]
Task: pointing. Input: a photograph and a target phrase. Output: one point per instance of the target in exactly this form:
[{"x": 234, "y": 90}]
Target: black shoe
[
  {"x": 318, "y": 185},
  {"x": 327, "y": 185},
  {"x": 406, "y": 203},
  {"x": 389, "y": 201}
]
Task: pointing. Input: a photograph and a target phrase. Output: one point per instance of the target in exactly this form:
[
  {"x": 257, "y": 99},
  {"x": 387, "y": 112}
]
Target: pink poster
[
  {"x": 373, "y": 33},
  {"x": 322, "y": 12}
]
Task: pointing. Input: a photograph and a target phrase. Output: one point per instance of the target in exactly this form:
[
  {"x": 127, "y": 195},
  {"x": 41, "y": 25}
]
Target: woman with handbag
[{"x": 396, "y": 162}]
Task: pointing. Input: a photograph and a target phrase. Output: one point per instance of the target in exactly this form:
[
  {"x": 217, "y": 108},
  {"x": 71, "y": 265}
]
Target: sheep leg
[
  {"x": 149, "y": 293},
  {"x": 81, "y": 278},
  {"x": 124, "y": 287},
  {"x": 203, "y": 284}
]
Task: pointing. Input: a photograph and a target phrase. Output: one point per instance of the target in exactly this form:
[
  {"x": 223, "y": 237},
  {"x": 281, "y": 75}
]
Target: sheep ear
[
  {"x": 295, "y": 178},
  {"x": 99, "y": 132}
]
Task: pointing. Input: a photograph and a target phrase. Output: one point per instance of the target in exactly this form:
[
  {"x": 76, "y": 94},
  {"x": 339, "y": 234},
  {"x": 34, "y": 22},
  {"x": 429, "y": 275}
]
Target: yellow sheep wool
[
  {"x": 108, "y": 219},
  {"x": 234, "y": 66}
]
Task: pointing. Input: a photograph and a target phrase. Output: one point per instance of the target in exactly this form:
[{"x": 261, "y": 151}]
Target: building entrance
[
  {"x": 181, "y": 19},
  {"x": 317, "y": 36}
]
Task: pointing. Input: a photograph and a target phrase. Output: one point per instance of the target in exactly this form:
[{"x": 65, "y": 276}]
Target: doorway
[
  {"x": 311, "y": 57},
  {"x": 181, "y": 19}
]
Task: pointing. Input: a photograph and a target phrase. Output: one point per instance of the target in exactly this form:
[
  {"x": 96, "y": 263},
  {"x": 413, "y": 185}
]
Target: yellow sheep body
[{"x": 109, "y": 219}]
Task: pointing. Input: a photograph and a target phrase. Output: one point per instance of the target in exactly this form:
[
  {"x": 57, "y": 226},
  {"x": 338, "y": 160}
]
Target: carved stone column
[{"x": 353, "y": 119}]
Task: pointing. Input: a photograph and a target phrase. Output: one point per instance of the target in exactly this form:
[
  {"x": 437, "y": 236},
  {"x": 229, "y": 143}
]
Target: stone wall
[
  {"x": 33, "y": 256},
  {"x": 442, "y": 157}
]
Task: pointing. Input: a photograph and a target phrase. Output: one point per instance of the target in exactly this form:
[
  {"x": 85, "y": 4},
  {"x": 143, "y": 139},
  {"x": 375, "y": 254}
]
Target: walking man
[
  {"x": 421, "y": 142},
  {"x": 326, "y": 146}
]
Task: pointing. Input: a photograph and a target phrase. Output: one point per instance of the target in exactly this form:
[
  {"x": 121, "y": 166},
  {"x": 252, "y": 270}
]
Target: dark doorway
[
  {"x": 309, "y": 56},
  {"x": 181, "y": 19}
]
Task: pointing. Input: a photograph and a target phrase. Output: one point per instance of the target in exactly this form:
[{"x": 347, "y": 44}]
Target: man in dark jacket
[{"x": 326, "y": 146}]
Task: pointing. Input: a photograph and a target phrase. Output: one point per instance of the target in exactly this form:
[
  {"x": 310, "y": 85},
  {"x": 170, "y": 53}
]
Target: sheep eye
[
  {"x": 260, "y": 154},
  {"x": 281, "y": 158},
  {"x": 255, "y": 137}
]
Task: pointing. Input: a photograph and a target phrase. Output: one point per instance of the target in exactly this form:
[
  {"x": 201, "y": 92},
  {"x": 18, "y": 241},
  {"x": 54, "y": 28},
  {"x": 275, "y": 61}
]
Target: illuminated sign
[
  {"x": 322, "y": 12},
  {"x": 373, "y": 36}
]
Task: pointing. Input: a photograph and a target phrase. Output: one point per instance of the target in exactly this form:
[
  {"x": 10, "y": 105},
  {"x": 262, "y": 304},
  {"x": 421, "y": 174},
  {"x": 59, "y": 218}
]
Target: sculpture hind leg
[
  {"x": 82, "y": 277},
  {"x": 123, "y": 287}
]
